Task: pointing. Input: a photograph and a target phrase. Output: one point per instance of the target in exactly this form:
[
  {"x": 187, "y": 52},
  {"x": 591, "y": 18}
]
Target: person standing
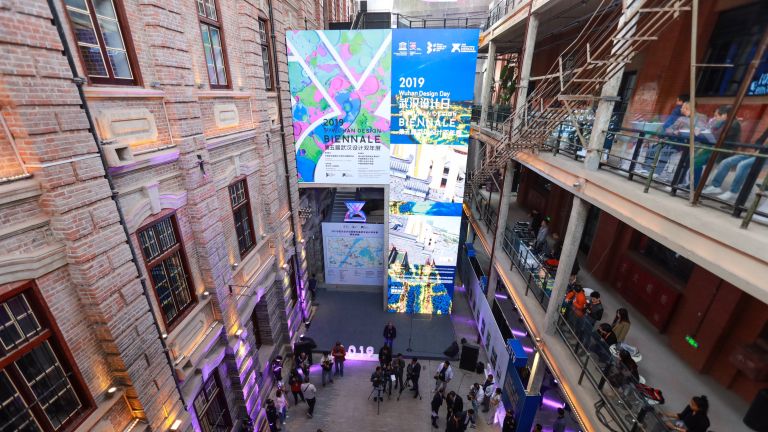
[
  {"x": 593, "y": 313},
  {"x": 437, "y": 401},
  {"x": 326, "y": 364},
  {"x": 313, "y": 287},
  {"x": 494, "y": 406},
  {"x": 281, "y": 403},
  {"x": 666, "y": 150},
  {"x": 303, "y": 364},
  {"x": 338, "y": 353},
  {"x": 413, "y": 374},
  {"x": 453, "y": 423},
  {"x": 559, "y": 424},
  {"x": 472, "y": 398},
  {"x": 272, "y": 417},
  {"x": 449, "y": 398},
  {"x": 295, "y": 382},
  {"x": 385, "y": 356},
  {"x": 443, "y": 375},
  {"x": 457, "y": 404},
  {"x": 540, "y": 244},
  {"x": 509, "y": 424},
  {"x": 488, "y": 387},
  {"x": 621, "y": 324},
  {"x": 398, "y": 368},
  {"x": 390, "y": 333},
  {"x": 309, "y": 391}
]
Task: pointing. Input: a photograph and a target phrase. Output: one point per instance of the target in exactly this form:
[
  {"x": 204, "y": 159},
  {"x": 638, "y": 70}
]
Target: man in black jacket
[
  {"x": 413, "y": 373},
  {"x": 437, "y": 401},
  {"x": 272, "y": 417},
  {"x": 390, "y": 333}
]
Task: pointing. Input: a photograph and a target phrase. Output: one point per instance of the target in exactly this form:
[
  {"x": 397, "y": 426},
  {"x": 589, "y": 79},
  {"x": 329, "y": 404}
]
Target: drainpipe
[
  {"x": 79, "y": 83},
  {"x": 278, "y": 89}
]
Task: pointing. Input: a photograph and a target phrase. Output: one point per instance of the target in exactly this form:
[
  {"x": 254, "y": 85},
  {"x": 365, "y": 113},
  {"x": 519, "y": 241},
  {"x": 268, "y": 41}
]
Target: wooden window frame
[
  {"x": 130, "y": 50},
  {"x": 214, "y": 376},
  {"x": 247, "y": 204},
  {"x": 267, "y": 43},
  {"x": 219, "y": 25},
  {"x": 50, "y": 333},
  {"x": 149, "y": 265}
]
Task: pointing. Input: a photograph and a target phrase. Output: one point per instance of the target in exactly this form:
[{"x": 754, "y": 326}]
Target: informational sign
[
  {"x": 377, "y": 107},
  {"x": 340, "y": 97},
  {"x": 354, "y": 253},
  {"x": 433, "y": 74}
]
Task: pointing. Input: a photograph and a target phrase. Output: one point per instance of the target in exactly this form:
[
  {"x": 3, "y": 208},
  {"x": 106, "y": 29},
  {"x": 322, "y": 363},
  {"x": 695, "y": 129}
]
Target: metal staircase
[{"x": 610, "y": 39}]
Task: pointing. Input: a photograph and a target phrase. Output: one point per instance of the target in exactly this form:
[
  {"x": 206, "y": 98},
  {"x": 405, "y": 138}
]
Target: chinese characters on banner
[{"x": 375, "y": 107}]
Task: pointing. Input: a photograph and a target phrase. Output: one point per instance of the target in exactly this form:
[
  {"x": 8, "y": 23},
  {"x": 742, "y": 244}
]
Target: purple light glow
[
  {"x": 519, "y": 333},
  {"x": 528, "y": 350},
  {"x": 500, "y": 296},
  {"x": 552, "y": 403}
]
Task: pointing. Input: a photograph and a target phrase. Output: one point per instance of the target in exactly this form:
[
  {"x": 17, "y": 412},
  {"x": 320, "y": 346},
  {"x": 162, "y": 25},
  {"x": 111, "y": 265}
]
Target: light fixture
[
  {"x": 239, "y": 332},
  {"x": 234, "y": 266},
  {"x": 111, "y": 390},
  {"x": 285, "y": 266},
  {"x": 176, "y": 425},
  {"x": 303, "y": 241},
  {"x": 206, "y": 294},
  {"x": 164, "y": 335}
]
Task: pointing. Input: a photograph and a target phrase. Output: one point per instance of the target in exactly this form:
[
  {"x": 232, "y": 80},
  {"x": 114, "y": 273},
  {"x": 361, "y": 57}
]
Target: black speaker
[
  {"x": 469, "y": 355},
  {"x": 756, "y": 417}
]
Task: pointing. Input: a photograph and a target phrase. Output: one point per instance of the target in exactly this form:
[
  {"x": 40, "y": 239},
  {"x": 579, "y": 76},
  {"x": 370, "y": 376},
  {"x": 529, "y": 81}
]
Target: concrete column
[
  {"x": 567, "y": 256},
  {"x": 498, "y": 242},
  {"x": 626, "y": 28},
  {"x": 525, "y": 68},
  {"x": 490, "y": 69}
]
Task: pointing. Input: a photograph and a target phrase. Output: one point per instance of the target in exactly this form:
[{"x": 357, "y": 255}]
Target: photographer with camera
[
  {"x": 443, "y": 375},
  {"x": 377, "y": 379}
]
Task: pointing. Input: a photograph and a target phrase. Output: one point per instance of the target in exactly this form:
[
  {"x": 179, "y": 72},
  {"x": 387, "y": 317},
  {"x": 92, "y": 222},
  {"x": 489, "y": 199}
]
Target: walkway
[{"x": 661, "y": 367}]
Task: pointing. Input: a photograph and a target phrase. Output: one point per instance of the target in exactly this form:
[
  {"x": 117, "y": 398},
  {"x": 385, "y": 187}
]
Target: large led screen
[{"x": 392, "y": 107}]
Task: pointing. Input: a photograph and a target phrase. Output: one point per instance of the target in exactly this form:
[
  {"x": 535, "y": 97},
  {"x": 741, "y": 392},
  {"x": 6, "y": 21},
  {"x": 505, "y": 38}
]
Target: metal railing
[
  {"x": 614, "y": 383},
  {"x": 501, "y": 10},
  {"x": 403, "y": 21},
  {"x": 539, "y": 278},
  {"x": 662, "y": 161},
  {"x": 496, "y": 118}
]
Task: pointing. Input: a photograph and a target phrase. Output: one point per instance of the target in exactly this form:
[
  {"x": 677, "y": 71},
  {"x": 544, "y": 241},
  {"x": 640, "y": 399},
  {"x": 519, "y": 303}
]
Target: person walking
[
  {"x": 326, "y": 365},
  {"x": 443, "y": 375},
  {"x": 295, "y": 382},
  {"x": 390, "y": 333},
  {"x": 272, "y": 416},
  {"x": 413, "y": 374},
  {"x": 309, "y": 391},
  {"x": 338, "y": 353},
  {"x": 437, "y": 401},
  {"x": 281, "y": 403},
  {"x": 494, "y": 406},
  {"x": 559, "y": 424},
  {"x": 472, "y": 398}
]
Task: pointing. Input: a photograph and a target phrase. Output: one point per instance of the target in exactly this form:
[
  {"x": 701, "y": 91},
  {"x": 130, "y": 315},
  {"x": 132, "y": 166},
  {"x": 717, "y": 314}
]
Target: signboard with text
[
  {"x": 391, "y": 107},
  {"x": 354, "y": 253}
]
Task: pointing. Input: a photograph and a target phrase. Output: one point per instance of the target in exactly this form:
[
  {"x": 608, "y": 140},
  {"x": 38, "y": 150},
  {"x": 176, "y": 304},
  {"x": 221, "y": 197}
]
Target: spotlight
[
  {"x": 206, "y": 294},
  {"x": 239, "y": 332},
  {"x": 111, "y": 390},
  {"x": 176, "y": 425},
  {"x": 164, "y": 335},
  {"x": 285, "y": 266}
]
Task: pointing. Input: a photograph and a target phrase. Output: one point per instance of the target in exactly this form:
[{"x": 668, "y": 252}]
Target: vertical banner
[
  {"x": 376, "y": 107},
  {"x": 340, "y": 84},
  {"x": 433, "y": 74}
]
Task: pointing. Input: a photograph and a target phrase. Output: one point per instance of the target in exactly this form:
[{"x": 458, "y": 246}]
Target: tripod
[
  {"x": 378, "y": 390},
  {"x": 402, "y": 388},
  {"x": 410, "y": 334}
]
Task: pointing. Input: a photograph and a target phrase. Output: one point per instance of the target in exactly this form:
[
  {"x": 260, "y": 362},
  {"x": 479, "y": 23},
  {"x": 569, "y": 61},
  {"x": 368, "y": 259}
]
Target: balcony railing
[
  {"x": 403, "y": 21},
  {"x": 501, "y": 10},
  {"x": 497, "y": 115},
  {"x": 660, "y": 161},
  {"x": 620, "y": 394}
]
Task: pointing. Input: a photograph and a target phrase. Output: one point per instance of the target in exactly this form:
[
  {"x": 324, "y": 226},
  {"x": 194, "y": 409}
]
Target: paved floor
[
  {"x": 357, "y": 318},
  {"x": 344, "y": 406}
]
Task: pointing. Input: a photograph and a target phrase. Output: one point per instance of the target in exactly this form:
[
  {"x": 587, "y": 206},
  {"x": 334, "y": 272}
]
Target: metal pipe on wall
[{"x": 79, "y": 81}]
